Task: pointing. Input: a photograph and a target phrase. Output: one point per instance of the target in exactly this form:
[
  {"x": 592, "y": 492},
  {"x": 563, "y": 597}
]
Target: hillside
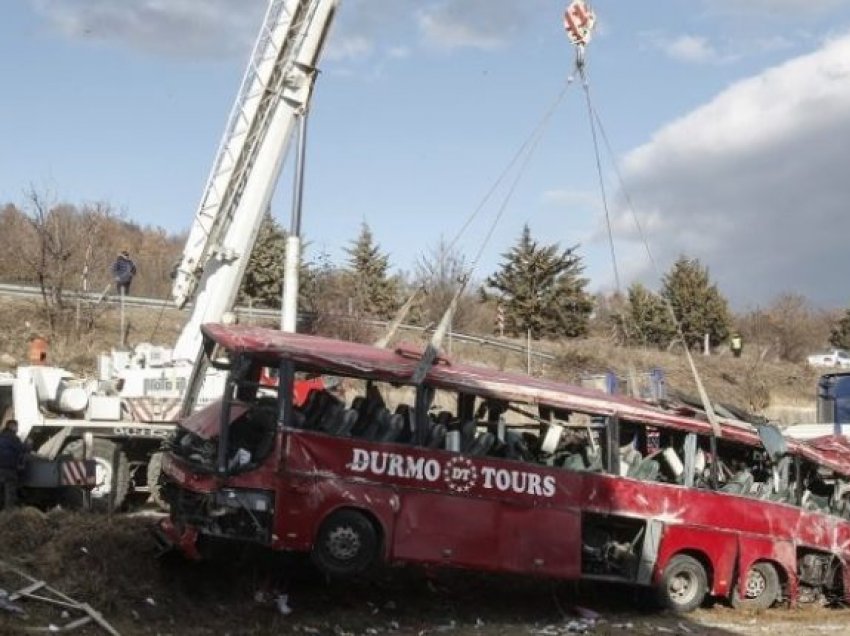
[{"x": 778, "y": 390}]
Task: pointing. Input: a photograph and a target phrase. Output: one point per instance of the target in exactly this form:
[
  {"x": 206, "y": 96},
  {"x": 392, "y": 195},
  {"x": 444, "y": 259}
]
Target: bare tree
[
  {"x": 440, "y": 270},
  {"x": 787, "y": 329}
]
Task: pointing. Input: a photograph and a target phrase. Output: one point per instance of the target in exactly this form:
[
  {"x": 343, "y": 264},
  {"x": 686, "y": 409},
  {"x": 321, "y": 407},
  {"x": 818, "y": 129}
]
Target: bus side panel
[
  {"x": 719, "y": 549},
  {"x": 312, "y": 485},
  {"x": 440, "y": 528},
  {"x": 783, "y": 553},
  {"x": 540, "y": 540},
  {"x": 307, "y": 501}
]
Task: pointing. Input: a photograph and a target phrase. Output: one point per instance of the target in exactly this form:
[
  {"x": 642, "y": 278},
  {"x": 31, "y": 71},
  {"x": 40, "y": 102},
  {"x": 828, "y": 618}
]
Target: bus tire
[
  {"x": 154, "y": 475},
  {"x": 347, "y": 544},
  {"x": 761, "y": 588},
  {"x": 113, "y": 475},
  {"x": 683, "y": 584}
]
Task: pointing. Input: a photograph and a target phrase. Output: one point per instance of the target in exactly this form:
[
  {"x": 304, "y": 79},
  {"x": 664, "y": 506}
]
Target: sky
[{"x": 725, "y": 129}]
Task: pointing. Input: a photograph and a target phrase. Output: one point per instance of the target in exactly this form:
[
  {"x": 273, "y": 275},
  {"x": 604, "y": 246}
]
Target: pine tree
[
  {"x": 541, "y": 290},
  {"x": 697, "y": 303},
  {"x": 373, "y": 292},
  {"x": 648, "y": 318},
  {"x": 263, "y": 281},
  {"x": 840, "y": 334},
  {"x": 262, "y": 284}
]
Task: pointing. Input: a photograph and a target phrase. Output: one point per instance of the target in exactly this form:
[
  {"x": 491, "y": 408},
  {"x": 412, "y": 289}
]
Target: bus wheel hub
[
  {"x": 343, "y": 543},
  {"x": 755, "y": 584}
]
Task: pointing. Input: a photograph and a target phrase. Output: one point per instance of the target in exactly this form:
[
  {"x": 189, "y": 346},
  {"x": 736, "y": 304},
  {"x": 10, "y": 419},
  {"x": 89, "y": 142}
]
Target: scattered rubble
[{"x": 36, "y": 590}]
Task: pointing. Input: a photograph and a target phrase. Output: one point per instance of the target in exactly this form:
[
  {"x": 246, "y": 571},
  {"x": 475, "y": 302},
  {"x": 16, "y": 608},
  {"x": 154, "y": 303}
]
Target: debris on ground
[
  {"x": 37, "y": 590},
  {"x": 142, "y": 595}
]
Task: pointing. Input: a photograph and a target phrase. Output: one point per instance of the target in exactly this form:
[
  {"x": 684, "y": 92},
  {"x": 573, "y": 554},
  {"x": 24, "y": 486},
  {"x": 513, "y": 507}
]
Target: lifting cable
[
  {"x": 703, "y": 394},
  {"x": 585, "y": 82},
  {"x": 521, "y": 159}
]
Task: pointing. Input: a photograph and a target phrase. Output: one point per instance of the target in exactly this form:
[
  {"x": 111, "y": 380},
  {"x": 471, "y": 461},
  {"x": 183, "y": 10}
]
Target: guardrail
[{"x": 27, "y": 291}]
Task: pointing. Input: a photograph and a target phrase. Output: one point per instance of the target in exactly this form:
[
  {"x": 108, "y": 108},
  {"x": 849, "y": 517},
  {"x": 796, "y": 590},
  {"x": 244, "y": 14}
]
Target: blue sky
[{"x": 731, "y": 126}]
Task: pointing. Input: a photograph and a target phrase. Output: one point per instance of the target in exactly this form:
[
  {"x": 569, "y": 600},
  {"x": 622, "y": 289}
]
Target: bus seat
[
  {"x": 406, "y": 414},
  {"x": 318, "y": 403},
  {"x": 515, "y": 446},
  {"x": 436, "y": 436},
  {"x": 740, "y": 483},
  {"x": 482, "y": 444},
  {"x": 330, "y": 417},
  {"x": 374, "y": 428},
  {"x": 444, "y": 417},
  {"x": 393, "y": 430},
  {"x": 310, "y": 405},
  {"x": 647, "y": 470},
  {"x": 358, "y": 403},
  {"x": 574, "y": 461},
  {"x": 630, "y": 459},
  {"x": 345, "y": 423},
  {"x": 467, "y": 434}
]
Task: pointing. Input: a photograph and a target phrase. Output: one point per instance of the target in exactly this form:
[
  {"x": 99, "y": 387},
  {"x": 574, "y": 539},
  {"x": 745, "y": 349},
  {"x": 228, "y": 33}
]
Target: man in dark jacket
[
  {"x": 123, "y": 269},
  {"x": 12, "y": 453}
]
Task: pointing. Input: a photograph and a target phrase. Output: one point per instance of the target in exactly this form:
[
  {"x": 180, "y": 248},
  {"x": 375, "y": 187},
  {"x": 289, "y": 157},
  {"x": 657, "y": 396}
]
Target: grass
[{"x": 775, "y": 389}]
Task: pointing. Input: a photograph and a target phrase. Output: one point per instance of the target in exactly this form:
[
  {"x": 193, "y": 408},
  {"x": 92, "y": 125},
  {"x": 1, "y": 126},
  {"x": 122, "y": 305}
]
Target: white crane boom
[{"x": 275, "y": 92}]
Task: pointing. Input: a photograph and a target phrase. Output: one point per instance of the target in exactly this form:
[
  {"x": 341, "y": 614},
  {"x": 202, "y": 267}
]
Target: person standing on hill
[
  {"x": 123, "y": 269},
  {"x": 12, "y": 452}
]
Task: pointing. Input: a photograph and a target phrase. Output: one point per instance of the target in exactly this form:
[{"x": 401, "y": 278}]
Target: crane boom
[{"x": 275, "y": 92}]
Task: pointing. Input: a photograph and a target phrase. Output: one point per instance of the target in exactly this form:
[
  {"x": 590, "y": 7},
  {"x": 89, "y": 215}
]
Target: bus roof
[{"x": 337, "y": 357}]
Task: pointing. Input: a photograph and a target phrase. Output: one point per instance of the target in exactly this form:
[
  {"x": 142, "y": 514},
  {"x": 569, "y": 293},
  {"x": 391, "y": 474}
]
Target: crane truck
[{"x": 134, "y": 401}]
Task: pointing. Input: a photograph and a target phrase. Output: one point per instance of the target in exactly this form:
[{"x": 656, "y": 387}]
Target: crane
[
  {"x": 136, "y": 401},
  {"x": 275, "y": 93}
]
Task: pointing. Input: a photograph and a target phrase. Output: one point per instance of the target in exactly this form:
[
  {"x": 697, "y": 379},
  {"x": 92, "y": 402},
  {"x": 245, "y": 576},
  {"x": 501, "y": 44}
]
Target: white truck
[
  {"x": 831, "y": 358},
  {"x": 136, "y": 398}
]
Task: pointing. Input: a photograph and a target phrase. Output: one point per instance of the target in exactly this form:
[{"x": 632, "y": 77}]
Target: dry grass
[{"x": 762, "y": 387}]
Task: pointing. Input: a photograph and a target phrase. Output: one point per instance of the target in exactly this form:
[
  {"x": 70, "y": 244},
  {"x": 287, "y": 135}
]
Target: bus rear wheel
[
  {"x": 761, "y": 588},
  {"x": 683, "y": 585},
  {"x": 347, "y": 544}
]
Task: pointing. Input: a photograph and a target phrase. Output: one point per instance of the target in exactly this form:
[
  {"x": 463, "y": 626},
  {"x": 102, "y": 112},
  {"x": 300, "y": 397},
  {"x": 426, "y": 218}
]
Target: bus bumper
[{"x": 170, "y": 537}]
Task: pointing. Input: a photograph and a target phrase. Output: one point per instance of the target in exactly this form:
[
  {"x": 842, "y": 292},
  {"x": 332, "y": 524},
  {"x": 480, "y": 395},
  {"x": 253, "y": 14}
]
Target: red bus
[{"x": 477, "y": 468}]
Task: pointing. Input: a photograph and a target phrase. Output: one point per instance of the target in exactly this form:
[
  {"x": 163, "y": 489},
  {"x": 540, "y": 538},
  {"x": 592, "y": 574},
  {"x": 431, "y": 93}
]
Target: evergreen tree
[
  {"x": 262, "y": 284},
  {"x": 697, "y": 303},
  {"x": 263, "y": 280},
  {"x": 840, "y": 334},
  {"x": 648, "y": 318},
  {"x": 541, "y": 290},
  {"x": 373, "y": 292}
]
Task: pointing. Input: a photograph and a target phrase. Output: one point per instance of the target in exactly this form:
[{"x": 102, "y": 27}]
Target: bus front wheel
[
  {"x": 683, "y": 585},
  {"x": 347, "y": 544}
]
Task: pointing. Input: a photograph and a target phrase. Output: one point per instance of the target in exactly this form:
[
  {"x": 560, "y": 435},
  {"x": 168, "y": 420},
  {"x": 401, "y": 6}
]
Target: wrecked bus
[{"x": 490, "y": 470}]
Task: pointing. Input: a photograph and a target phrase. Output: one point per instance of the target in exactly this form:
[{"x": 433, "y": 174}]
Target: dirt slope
[{"x": 112, "y": 564}]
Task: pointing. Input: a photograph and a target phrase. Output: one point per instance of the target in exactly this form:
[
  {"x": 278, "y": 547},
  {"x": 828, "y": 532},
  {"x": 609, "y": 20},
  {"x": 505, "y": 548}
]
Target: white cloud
[
  {"x": 802, "y": 8},
  {"x": 169, "y": 27},
  {"x": 691, "y": 48},
  {"x": 481, "y": 24},
  {"x": 193, "y": 28},
  {"x": 755, "y": 183}
]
